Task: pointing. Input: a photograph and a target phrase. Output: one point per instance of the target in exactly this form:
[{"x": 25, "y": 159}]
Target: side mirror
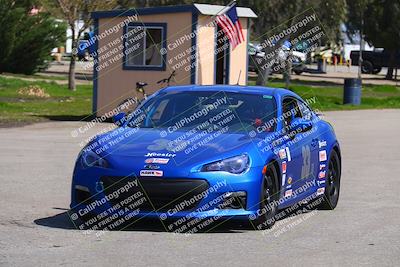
[
  {"x": 300, "y": 125},
  {"x": 118, "y": 119}
]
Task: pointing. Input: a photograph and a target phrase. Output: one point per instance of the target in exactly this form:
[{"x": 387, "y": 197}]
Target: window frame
[
  {"x": 290, "y": 98},
  {"x": 306, "y": 106},
  {"x": 146, "y": 25}
]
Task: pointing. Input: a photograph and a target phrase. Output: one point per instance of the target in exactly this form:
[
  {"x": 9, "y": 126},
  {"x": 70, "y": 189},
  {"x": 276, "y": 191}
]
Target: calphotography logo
[
  {"x": 180, "y": 133},
  {"x": 177, "y": 132}
]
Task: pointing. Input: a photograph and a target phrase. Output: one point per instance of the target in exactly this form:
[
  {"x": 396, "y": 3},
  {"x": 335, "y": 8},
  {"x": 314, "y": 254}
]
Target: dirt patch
[{"x": 33, "y": 90}]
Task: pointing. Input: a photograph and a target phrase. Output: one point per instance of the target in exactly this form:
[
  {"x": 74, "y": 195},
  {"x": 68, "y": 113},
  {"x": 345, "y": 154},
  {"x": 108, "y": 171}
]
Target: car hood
[{"x": 181, "y": 147}]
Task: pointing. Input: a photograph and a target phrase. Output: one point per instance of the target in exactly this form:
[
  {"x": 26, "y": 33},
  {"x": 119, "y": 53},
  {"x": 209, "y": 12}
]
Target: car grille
[{"x": 161, "y": 194}]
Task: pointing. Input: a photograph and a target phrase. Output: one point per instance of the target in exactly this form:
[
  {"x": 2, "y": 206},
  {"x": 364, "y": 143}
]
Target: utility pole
[{"x": 360, "y": 59}]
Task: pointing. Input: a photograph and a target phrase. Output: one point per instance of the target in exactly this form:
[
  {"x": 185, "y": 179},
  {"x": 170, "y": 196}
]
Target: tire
[
  {"x": 332, "y": 184},
  {"x": 269, "y": 195},
  {"x": 86, "y": 56},
  {"x": 376, "y": 70},
  {"x": 298, "y": 72},
  {"x": 367, "y": 67}
]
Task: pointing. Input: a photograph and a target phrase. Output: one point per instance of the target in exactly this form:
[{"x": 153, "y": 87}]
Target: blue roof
[{"x": 231, "y": 88}]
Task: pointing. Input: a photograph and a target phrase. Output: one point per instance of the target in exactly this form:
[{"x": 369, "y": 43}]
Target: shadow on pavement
[
  {"x": 67, "y": 117},
  {"x": 227, "y": 225},
  {"x": 61, "y": 221}
]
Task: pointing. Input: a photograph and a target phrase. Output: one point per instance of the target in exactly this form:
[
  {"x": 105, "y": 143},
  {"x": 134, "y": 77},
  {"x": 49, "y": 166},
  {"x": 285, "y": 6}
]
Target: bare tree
[{"x": 73, "y": 11}]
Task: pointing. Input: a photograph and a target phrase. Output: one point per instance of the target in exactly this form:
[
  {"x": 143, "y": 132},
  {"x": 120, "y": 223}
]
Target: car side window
[
  {"x": 306, "y": 112},
  {"x": 290, "y": 111}
]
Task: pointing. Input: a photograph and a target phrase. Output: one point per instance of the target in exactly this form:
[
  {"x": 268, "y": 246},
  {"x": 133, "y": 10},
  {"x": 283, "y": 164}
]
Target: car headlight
[
  {"x": 235, "y": 165},
  {"x": 91, "y": 159}
]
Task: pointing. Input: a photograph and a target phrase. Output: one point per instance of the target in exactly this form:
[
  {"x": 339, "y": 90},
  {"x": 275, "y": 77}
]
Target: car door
[
  {"x": 300, "y": 155},
  {"x": 313, "y": 138}
]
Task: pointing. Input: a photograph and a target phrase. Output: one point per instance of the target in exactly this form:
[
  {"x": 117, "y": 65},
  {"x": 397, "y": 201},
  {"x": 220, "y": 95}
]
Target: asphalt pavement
[{"x": 36, "y": 164}]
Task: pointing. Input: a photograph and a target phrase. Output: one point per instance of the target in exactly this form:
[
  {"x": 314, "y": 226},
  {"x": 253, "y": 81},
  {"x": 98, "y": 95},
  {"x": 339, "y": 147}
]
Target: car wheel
[
  {"x": 377, "y": 70},
  {"x": 86, "y": 55},
  {"x": 367, "y": 67},
  {"x": 298, "y": 72},
  {"x": 332, "y": 185},
  {"x": 269, "y": 198}
]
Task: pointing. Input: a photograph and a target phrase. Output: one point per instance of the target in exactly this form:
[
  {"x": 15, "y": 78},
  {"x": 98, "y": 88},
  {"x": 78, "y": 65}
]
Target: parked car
[
  {"x": 194, "y": 153},
  {"x": 373, "y": 61},
  {"x": 85, "y": 48},
  {"x": 256, "y": 54}
]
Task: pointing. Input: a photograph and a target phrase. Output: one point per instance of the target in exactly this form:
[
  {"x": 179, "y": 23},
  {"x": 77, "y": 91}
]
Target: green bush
[{"x": 26, "y": 40}]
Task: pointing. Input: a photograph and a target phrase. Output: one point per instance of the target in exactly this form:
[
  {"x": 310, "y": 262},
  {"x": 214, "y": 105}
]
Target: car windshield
[{"x": 204, "y": 109}]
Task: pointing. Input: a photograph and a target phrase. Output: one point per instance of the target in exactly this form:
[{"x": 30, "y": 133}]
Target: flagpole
[{"x": 224, "y": 8}]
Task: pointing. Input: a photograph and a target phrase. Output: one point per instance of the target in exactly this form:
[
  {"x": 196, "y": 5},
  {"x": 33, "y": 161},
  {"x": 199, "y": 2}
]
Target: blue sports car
[{"x": 189, "y": 155}]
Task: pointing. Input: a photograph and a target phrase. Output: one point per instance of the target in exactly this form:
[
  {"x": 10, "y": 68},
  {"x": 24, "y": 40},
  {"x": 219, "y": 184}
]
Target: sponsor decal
[
  {"x": 321, "y": 166},
  {"x": 155, "y": 154},
  {"x": 289, "y": 180},
  {"x": 320, "y": 191},
  {"x": 289, "y": 158},
  {"x": 151, "y": 173},
  {"x": 306, "y": 167},
  {"x": 322, "y": 155},
  {"x": 282, "y": 153},
  {"x": 283, "y": 179},
  {"x": 288, "y": 193},
  {"x": 321, "y": 182},
  {"x": 151, "y": 167},
  {"x": 284, "y": 167},
  {"x": 99, "y": 187},
  {"x": 157, "y": 160},
  {"x": 322, "y": 144},
  {"x": 322, "y": 174}
]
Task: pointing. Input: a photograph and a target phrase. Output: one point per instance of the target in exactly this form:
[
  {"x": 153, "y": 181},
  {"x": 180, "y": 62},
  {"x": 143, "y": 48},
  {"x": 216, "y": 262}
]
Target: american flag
[{"x": 230, "y": 24}]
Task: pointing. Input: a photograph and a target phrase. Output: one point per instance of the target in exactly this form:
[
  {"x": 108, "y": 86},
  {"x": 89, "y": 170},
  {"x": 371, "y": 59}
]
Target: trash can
[
  {"x": 321, "y": 64},
  {"x": 352, "y": 91}
]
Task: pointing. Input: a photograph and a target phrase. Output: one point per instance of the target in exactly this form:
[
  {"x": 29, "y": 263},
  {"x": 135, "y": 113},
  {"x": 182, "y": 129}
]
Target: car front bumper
[{"x": 104, "y": 192}]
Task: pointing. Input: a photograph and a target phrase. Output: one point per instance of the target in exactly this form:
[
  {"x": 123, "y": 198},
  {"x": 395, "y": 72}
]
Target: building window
[{"x": 143, "y": 43}]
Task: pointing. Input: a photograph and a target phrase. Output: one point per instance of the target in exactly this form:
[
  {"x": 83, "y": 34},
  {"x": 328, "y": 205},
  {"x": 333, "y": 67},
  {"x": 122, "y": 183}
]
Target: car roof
[{"x": 277, "y": 92}]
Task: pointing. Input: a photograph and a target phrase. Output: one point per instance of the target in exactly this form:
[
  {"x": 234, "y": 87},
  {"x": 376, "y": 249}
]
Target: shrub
[{"x": 26, "y": 40}]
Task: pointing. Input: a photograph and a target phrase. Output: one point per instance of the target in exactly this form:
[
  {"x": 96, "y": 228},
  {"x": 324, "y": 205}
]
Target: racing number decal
[{"x": 306, "y": 167}]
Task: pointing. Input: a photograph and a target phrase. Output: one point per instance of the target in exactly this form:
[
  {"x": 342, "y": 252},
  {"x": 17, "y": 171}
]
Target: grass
[
  {"x": 63, "y": 104},
  {"x": 330, "y": 96}
]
